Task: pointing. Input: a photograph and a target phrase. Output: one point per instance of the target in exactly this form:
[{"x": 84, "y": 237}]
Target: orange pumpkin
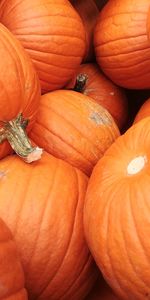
[
  {"x": 88, "y": 12},
  {"x": 116, "y": 215},
  {"x": 11, "y": 273},
  {"x": 121, "y": 44},
  {"x": 143, "y": 112},
  {"x": 101, "y": 291},
  {"x": 52, "y": 34},
  {"x": 74, "y": 128},
  {"x": 19, "y": 97},
  {"x": 42, "y": 204},
  {"x": 103, "y": 91}
]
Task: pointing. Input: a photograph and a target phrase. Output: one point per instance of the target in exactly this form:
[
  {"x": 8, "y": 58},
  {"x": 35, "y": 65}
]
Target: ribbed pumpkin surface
[
  {"x": 52, "y": 33},
  {"x": 121, "y": 43},
  {"x": 11, "y": 273},
  {"x": 43, "y": 205},
  {"x": 117, "y": 209},
  {"x": 73, "y": 127}
]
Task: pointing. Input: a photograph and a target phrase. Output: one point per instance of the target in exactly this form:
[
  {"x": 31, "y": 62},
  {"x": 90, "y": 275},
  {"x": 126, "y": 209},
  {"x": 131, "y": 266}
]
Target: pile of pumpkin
[{"x": 74, "y": 149}]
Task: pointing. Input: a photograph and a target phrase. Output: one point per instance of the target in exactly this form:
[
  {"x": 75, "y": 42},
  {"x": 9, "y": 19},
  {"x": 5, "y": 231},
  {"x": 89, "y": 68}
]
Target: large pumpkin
[
  {"x": 97, "y": 86},
  {"x": 89, "y": 12},
  {"x": 143, "y": 112},
  {"x": 42, "y": 204},
  {"x": 51, "y": 32},
  {"x": 121, "y": 43},
  {"x": 73, "y": 127},
  {"x": 116, "y": 216},
  {"x": 11, "y": 273},
  {"x": 19, "y": 97}
]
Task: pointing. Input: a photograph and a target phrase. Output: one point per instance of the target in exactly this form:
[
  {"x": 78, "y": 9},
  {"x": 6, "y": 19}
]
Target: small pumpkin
[
  {"x": 51, "y": 32},
  {"x": 143, "y": 112},
  {"x": 90, "y": 81},
  {"x": 88, "y": 12},
  {"x": 101, "y": 291},
  {"x": 11, "y": 273},
  {"x": 42, "y": 204},
  {"x": 121, "y": 44},
  {"x": 116, "y": 214},
  {"x": 74, "y": 128},
  {"x": 19, "y": 98}
]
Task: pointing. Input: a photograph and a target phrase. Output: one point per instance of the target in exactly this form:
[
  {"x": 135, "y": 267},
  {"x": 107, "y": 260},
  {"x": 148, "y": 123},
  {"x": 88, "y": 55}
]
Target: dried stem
[{"x": 14, "y": 132}]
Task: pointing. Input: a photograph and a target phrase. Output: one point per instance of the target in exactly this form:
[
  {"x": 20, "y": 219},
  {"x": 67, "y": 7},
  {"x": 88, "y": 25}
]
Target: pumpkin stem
[
  {"x": 14, "y": 132},
  {"x": 80, "y": 84}
]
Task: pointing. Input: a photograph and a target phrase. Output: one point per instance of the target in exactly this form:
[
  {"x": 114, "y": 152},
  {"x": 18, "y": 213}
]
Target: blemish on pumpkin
[
  {"x": 136, "y": 165},
  {"x": 99, "y": 119},
  {"x": 3, "y": 174},
  {"x": 112, "y": 93}
]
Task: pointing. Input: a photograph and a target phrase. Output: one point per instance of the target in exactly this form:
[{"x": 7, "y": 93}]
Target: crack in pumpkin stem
[
  {"x": 14, "y": 132},
  {"x": 80, "y": 84}
]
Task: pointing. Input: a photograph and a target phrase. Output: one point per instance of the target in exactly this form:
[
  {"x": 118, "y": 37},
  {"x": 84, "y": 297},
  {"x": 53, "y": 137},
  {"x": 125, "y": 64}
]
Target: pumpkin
[
  {"x": 19, "y": 98},
  {"x": 11, "y": 273},
  {"x": 116, "y": 215},
  {"x": 74, "y": 128},
  {"x": 88, "y": 12},
  {"x": 97, "y": 86},
  {"x": 42, "y": 204},
  {"x": 121, "y": 44},
  {"x": 101, "y": 291},
  {"x": 51, "y": 32},
  {"x": 143, "y": 112}
]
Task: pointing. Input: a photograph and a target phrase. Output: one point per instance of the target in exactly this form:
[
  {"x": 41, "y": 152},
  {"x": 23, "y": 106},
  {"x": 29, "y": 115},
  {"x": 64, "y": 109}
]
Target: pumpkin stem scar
[
  {"x": 14, "y": 132},
  {"x": 136, "y": 165},
  {"x": 80, "y": 84}
]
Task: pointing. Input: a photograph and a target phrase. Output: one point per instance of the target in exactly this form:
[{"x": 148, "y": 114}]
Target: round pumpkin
[
  {"x": 101, "y": 291},
  {"x": 42, "y": 204},
  {"x": 116, "y": 215},
  {"x": 19, "y": 97},
  {"x": 103, "y": 91},
  {"x": 74, "y": 128},
  {"x": 88, "y": 12},
  {"x": 11, "y": 273},
  {"x": 51, "y": 32},
  {"x": 121, "y": 44},
  {"x": 143, "y": 112}
]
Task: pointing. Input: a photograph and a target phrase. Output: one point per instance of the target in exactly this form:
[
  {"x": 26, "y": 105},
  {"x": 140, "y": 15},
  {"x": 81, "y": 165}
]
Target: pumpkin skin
[
  {"x": 143, "y": 112},
  {"x": 52, "y": 34},
  {"x": 74, "y": 128},
  {"x": 11, "y": 273},
  {"x": 104, "y": 92},
  {"x": 121, "y": 44},
  {"x": 20, "y": 88},
  {"x": 116, "y": 215},
  {"x": 101, "y": 291},
  {"x": 88, "y": 12},
  {"x": 45, "y": 216}
]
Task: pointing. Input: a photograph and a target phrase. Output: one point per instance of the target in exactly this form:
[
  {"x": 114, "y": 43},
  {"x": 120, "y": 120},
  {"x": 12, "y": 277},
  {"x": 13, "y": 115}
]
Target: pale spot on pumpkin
[
  {"x": 136, "y": 165},
  {"x": 112, "y": 93},
  {"x": 99, "y": 119},
  {"x": 2, "y": 174}
]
